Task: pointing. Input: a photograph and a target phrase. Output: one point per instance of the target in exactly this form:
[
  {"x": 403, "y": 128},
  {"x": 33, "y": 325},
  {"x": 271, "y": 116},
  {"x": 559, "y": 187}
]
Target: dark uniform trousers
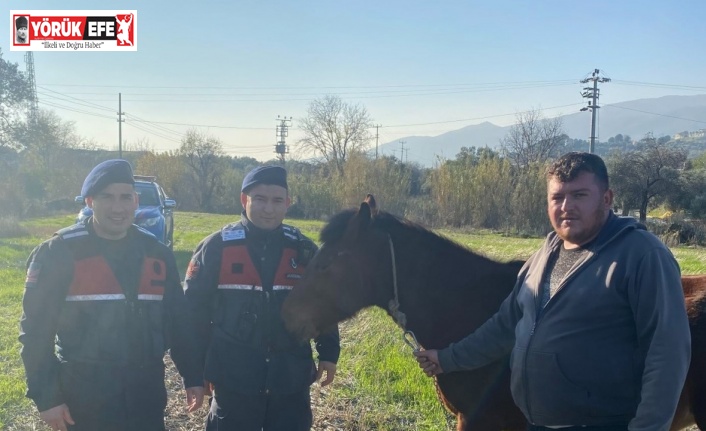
[
  {"x": 260, "y": 412},
  {"x": 531, "y": 427},
  {"x": 129, "y": 399}
]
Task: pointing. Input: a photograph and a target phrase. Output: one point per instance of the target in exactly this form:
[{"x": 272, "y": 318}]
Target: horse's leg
[
  {"x": 699, "y": 406},
  {"x": 698, "y": 388}
]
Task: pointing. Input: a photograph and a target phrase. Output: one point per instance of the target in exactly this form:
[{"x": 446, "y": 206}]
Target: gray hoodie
[{"x": 611, "y": 347}]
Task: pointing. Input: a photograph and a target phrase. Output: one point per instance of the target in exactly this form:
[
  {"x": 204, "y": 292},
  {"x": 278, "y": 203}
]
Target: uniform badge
[
  {"x": 193, "y": 270},
  {"x": 294, "y": 263},
  {"x": 228, "y": 235}
]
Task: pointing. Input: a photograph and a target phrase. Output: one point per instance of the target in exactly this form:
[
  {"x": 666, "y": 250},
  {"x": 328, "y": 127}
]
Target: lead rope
[
  {"x": 394, "y": 304},
  {"x": 401, "y": 319}
]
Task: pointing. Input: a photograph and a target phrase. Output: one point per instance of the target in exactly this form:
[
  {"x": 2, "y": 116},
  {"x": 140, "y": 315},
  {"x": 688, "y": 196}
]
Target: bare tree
[
  {"x": 202, "y": 155},
  {"x": 334, "y": 129},
  {"x": 533, "y": 139}
]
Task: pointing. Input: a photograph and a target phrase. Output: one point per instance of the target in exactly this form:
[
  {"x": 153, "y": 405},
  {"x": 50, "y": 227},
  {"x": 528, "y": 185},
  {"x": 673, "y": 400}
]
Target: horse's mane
[{"x": 336, "y": 227}]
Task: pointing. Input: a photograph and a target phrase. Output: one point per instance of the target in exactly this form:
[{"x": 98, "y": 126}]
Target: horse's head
[{"x": 341, "y": 279}]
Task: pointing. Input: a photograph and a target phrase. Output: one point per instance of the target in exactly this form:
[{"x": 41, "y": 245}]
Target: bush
[
  {"x": 679, "y": 230},
  {"x": 10, "y": 227}
]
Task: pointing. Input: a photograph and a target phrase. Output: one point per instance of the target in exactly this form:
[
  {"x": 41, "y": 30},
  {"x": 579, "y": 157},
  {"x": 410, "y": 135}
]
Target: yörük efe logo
[{"x": 73, "y": 30}]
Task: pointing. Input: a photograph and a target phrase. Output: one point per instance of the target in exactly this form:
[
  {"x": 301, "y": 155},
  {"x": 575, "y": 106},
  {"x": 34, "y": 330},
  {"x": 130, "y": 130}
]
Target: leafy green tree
[
  {"x": 699, "y": 162},
  {"x": 646, "y": 174},
  {"x": 168, "y": 167},
  {"x": 14, "y": 95},
  {"x": 691, "y": 196}
]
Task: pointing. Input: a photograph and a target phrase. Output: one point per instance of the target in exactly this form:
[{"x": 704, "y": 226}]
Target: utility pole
[
  {"x": 33, "y": 103},
  {"x": 593, "y": 93},
  {"x": 120, "y": 125},
  {"x": 281, "y": 132},
  {"x": 377, "y": 126},
  {"x": 402, "y": 151}
]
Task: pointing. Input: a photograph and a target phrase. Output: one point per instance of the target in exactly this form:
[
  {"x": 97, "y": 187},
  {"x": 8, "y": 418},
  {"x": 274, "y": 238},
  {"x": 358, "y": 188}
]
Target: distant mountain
[
  {"x": 661, "y": 116},
  {"x": 427, "y": 149}
]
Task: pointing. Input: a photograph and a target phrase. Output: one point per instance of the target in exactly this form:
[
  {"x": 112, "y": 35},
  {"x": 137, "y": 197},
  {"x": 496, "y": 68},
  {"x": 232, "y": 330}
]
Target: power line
[
  {"x": 154, "y": 122},
  {"x": 56, "y": 105},
  {"x": 207, "y": 125},
  {"x": 211, "y": 98},
  {"x": 81, "y": 101},
  {"x": 654, "y": 84},
  {"x": 480, "y": 118},
  {"x": 654, "y": 113},
  {"x": 566, "y": 81},
  {"x": 135, "y": 118},
  {"x": 152, "y": 132},
  {"x": 386, "y": 92}
]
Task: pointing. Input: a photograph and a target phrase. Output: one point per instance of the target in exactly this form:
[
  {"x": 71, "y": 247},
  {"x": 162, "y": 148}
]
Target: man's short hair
[{"x": 569, "y": 166}]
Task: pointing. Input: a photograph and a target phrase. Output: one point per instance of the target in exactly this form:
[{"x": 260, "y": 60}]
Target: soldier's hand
[
  {"x": 57, "y": 417},
  {"x": 330, "y": 369}
]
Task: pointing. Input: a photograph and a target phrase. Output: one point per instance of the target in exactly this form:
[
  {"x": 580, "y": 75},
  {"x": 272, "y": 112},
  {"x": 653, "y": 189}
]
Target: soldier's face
[
  {"x": 113, "y": 210},
  {"x": 265, "y": 205},
  {"x": 22, "y": 33}
]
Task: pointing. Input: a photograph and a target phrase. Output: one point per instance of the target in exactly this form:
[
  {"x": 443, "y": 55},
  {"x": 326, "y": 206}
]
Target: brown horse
[{"x": 442, "y": 292}]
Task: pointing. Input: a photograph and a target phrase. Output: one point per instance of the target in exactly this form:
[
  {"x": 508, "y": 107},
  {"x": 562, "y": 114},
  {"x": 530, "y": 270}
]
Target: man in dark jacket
[
  {"x": 596, "y": 323},
  {"x": 236, "y": 283},
  {"x": 102, "y": 304}
]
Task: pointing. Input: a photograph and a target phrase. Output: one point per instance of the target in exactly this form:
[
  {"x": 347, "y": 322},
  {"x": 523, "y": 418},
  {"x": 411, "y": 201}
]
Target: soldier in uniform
[
  {"x": 236, "y": 283},
  {"x": 102, "y": 303}
]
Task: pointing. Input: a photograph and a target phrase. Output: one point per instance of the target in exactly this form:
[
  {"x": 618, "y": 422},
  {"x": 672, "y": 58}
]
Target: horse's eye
[{"x": 323, "y": 262}]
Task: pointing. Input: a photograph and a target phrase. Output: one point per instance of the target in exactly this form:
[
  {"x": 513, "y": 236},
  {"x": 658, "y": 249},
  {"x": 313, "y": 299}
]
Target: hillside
[{"x": 661, "y": 116}]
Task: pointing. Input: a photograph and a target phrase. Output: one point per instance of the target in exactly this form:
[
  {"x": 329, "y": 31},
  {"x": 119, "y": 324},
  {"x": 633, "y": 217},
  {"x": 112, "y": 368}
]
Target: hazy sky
[{"x": 419, "y": 67}]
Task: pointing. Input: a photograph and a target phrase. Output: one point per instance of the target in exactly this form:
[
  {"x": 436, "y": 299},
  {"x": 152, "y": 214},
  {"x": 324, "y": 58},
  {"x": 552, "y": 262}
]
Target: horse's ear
[
  {"x": 360, "y": 222},
  {"x": 370, "y": 200},
  {"x": 365, "y": 214}
]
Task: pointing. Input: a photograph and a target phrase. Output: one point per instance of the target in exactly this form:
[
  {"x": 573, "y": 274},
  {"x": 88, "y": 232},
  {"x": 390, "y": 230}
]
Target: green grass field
[{"x": 378, "y": 385}]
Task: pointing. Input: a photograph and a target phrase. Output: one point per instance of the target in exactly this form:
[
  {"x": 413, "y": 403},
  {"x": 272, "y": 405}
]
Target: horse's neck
[{"x": 452, "y": 296}]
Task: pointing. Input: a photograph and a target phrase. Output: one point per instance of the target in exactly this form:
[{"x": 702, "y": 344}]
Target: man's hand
[
  {"x": 194, "y": 398},
  {"x": 207, "y": 388},
  {"x": 57, "y": 417},
  {"x": 429, "y": 362},
  {"x": 330, "y": 369}
]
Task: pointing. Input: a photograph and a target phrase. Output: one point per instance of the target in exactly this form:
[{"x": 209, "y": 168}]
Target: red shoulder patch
[
  {"x": 193, "y": 269},
  {"x": 33, "y": 272}
]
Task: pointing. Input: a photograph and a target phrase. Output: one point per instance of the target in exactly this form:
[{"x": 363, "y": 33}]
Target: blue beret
[
  {"x": 105, "y": 174},
  {"x": 271, "y": 175}
]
